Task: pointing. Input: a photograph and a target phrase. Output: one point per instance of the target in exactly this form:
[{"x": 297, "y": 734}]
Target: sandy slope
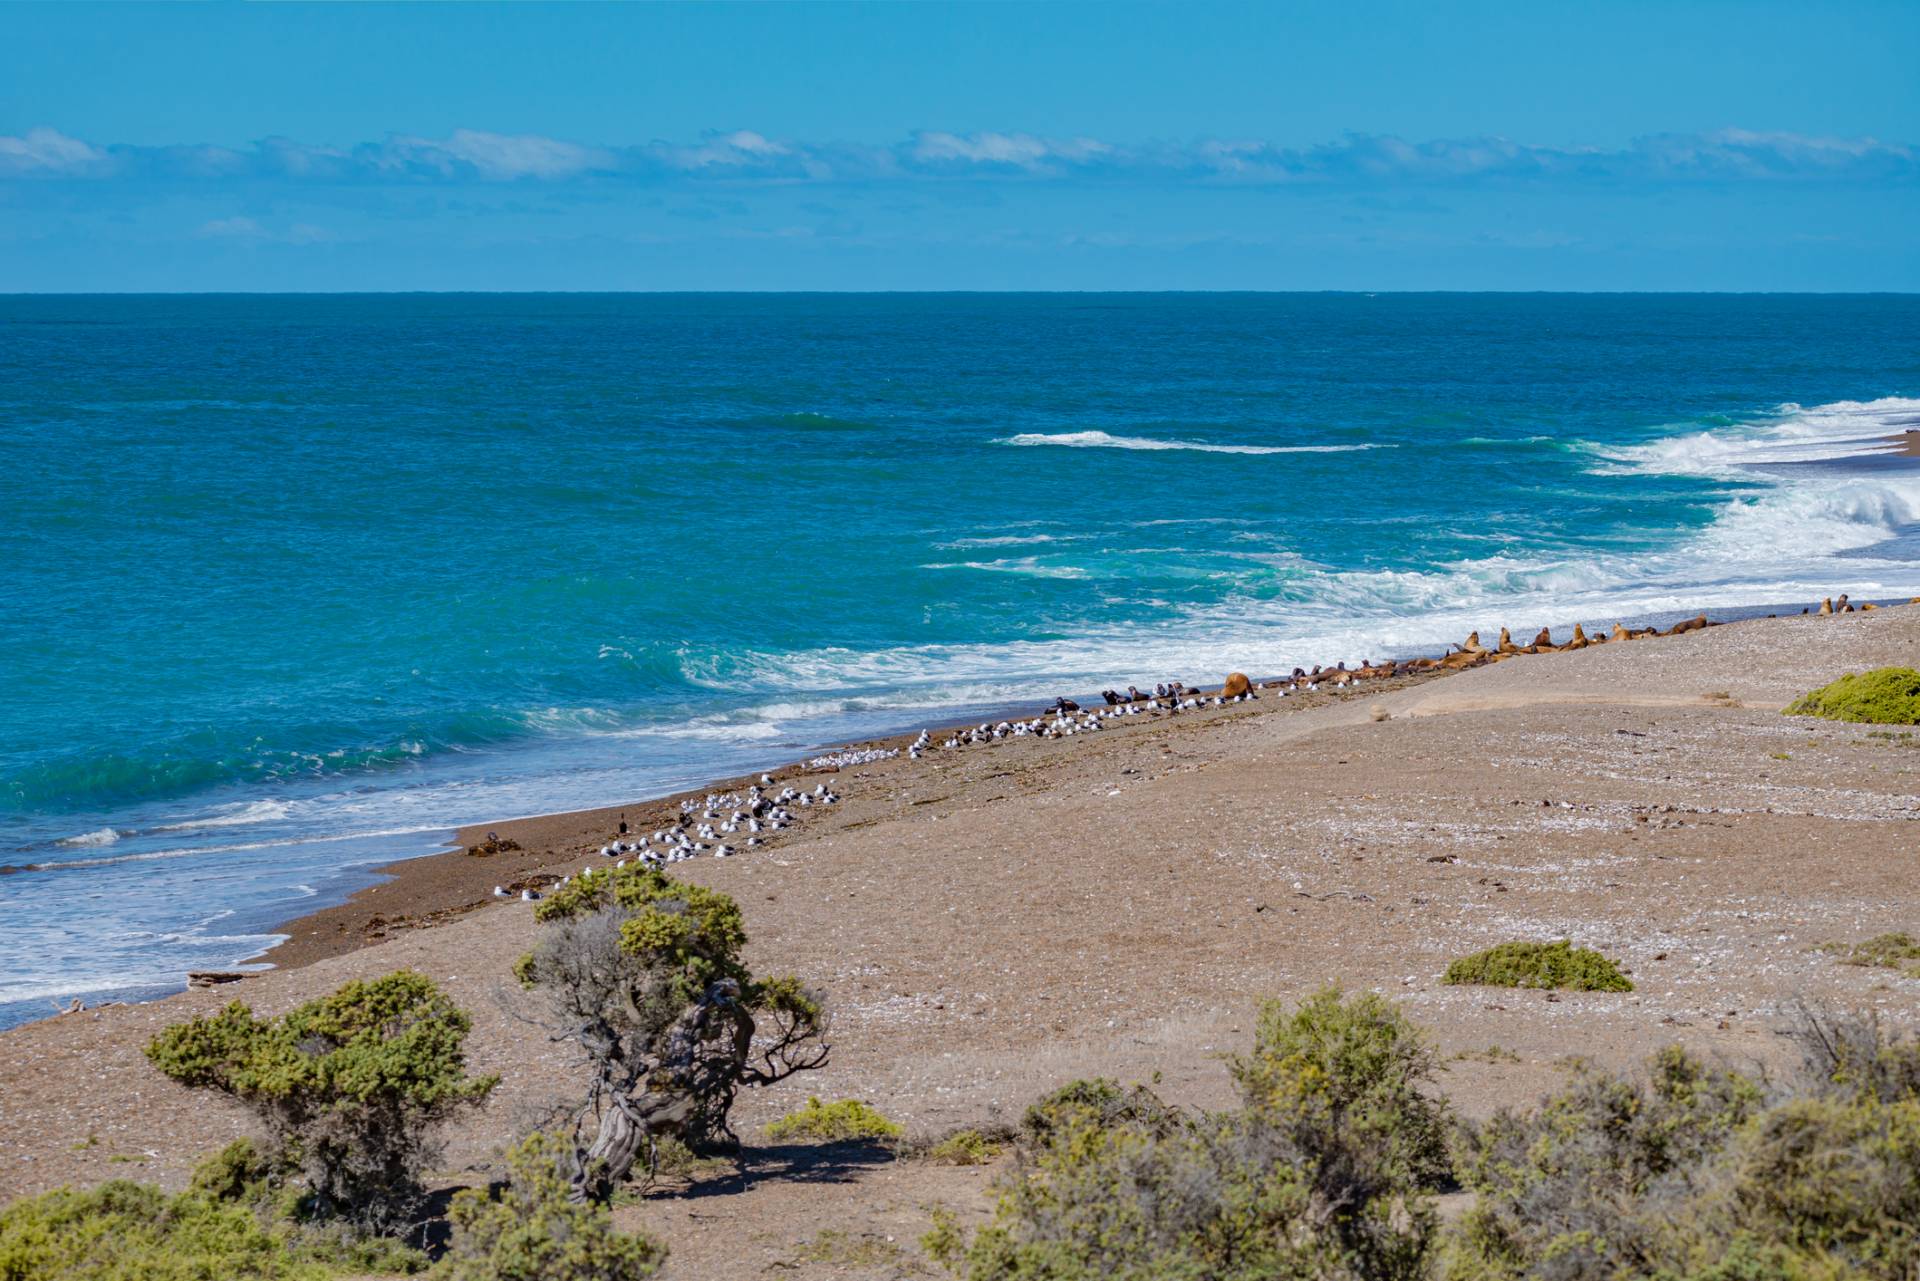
[{"x": 992, "y": 921}]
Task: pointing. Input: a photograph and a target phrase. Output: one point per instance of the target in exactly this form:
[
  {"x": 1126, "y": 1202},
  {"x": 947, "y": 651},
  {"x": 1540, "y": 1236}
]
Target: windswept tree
[{"x": 643, "y": 973}]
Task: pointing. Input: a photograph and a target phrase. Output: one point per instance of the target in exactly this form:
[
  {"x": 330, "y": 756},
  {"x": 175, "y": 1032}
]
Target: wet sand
[{"x": 990, "y": 921}]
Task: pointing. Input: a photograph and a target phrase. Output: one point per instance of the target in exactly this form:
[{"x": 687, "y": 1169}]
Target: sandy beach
[{"x": 993, "y": 920}]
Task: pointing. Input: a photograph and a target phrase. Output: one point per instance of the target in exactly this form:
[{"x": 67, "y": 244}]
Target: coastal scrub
[
  {"x": 1539, "y": 965},
  {"x": 838, "y": 1122},
  {"x": 352, "y": 1088},
  {"x": 643, "y": 974},
  {"x": 1323, "y": 1171},
  {"x": 1883, "y": 696},
  {"x": 231, "y": 1224},
  {"x": 532, "y": 1229},
  {"x": 1883, "y": 951},
  {"x": 1691, "y": 1171}
]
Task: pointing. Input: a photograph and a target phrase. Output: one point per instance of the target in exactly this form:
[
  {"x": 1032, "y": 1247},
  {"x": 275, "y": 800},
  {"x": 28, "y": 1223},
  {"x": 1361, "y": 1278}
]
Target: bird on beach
[{"x": 500, "y": 891}]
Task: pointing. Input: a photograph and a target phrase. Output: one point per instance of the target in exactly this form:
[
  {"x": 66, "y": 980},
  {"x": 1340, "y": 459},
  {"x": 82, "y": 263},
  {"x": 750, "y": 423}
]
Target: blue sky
[{"x": 1041, "y": 146}]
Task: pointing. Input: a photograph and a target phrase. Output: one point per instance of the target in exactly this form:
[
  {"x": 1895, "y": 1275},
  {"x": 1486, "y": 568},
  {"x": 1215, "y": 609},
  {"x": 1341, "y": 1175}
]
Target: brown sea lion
[
  {"x": 1544, "y": 640},
  {"x": 1689, "y": 625},
  {"x": 1579, "y": 640},
  {"x": 1506, "y": 642},
  {"x": 1237, "y": 684},
  {"x": 1840, "y": 606},
  {"x": 1472, "y": 644},
  {"x": 1826, "y": 607}
]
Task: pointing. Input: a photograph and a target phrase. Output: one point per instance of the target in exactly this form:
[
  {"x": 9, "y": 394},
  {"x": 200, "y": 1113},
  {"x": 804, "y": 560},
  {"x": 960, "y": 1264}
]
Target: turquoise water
[{"x": 289, "y": 585}]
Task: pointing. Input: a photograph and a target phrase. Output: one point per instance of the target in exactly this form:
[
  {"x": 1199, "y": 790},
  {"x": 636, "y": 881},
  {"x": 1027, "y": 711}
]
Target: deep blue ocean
[{"x": 291, "y": 585}]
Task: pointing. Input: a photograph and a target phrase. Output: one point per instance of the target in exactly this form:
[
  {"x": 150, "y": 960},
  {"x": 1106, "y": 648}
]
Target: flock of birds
[
  {"x": 705, "y": 825},
  {"x": 1067, "y": 718},
  {"x": 702, "y": 827}
]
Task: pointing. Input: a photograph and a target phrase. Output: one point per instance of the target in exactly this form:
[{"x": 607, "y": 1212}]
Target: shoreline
[
  {"x": 426, "y": 890},
  {"x": 989, "y": 922}
]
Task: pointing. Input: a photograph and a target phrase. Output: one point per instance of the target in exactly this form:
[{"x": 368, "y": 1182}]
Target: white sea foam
[
  {"x": 1005, "y": 540},
  {"x": 100, "y": 836},
  {"x": 1018, "y": 565},
  {"x": 1103, "y": 440},
  {"x": 1793, "y": 434},
  {"x": 239, "y": 814}
]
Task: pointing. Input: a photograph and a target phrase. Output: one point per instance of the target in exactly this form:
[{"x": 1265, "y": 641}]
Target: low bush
[
  {"x": 1883, "y": 951},
  {"x": 965, "y": 1147},
  {"x": 1539, "y": 965},
  {"x": 838, "y": 1122},
  {"x": 1883, "y": 696},
  {"x": 1100, "y": 1103},
  {"x": 352, "y": 1088},
  {"x": 1319, "y": 1174},
  {"x": 124, "y": 1231},
  {"x": 532, "y": 1230},
  {"x": 1694, "y": 1172},
  {"x": 227, "y": 1226}
]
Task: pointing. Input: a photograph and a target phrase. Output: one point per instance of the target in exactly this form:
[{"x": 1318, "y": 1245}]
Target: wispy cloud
[{"x": 1356, "y": 160}]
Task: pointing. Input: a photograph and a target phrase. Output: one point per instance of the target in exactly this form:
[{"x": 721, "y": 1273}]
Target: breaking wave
[{"x": 1103, "y": 440}]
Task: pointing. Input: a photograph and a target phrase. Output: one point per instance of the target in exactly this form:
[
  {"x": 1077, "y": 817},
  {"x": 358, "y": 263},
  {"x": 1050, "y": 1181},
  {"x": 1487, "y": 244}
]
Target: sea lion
[
  {"x": 1621, "y": 633},
  {"x": 1826, "y": 607},
  {"x": 1840, "y": 606},
  {"x": 1579, "y": 640},
  {"x": 1472, "y": 644},
  {"x": 1543, "y": 641},
  {"x": 1236, "y": 685},
  {"x": 1689, "y": 625},
  {"x": 1506, "y": 642}
]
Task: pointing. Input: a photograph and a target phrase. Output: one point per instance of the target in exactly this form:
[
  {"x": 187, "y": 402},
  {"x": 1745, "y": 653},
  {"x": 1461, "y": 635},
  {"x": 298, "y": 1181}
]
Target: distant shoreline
[{"x": 430, "y": 889}]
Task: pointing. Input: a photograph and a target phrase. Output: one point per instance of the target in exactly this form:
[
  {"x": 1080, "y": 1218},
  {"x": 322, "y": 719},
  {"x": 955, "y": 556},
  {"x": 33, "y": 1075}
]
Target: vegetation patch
[
  {"x": 966, "y": 1147},
  {"x": 1883, "y": 696},
  {"x": 845, "y": 1120},
  {"x": 352, "y": 1088},
  {"x": 533, "y": 1230},
  {"x": 643, "y": 974},
  {"x": 1885, "y": 951},
  {"x": 1694, "y": 1172},
  {"x": 225, "y": 1227},
  {"x": 1539, "y": 965},
  {"x": 1321, "y": 1172},
  {"x": 856, "y": 1250}
]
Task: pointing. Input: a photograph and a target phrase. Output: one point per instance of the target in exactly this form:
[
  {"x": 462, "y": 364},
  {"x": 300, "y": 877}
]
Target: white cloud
[
  {"x": 1357, "y": 160},
  {"x": 47, "y": 151}
]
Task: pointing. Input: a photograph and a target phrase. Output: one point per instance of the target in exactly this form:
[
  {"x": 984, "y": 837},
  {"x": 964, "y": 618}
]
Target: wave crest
[{"x": 1104, "y": 440}]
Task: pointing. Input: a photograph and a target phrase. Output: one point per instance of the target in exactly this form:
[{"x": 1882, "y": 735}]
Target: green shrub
[
  {"x": 1540, "y": 965},
  {"x": 227, "y": 1226},
  {"x": 965, "y": 1147},
  {"x": 1883, "y": 696},
  {"x": 1346, "y": 1075},
  {"x": 1318, "y": 1175},
  {"x": 838, "y": 1122},
  {"x": 533, "y": 1231},
  {"x": 352, "y": 1088},
  {"x": 123, "y": 1231},
  {"x": 1100, "y": 1103},
  {"x": 1885, "y": 951},
  {"x": 644, "y": 975},
  {"x": 1693, "y": 1174}
]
